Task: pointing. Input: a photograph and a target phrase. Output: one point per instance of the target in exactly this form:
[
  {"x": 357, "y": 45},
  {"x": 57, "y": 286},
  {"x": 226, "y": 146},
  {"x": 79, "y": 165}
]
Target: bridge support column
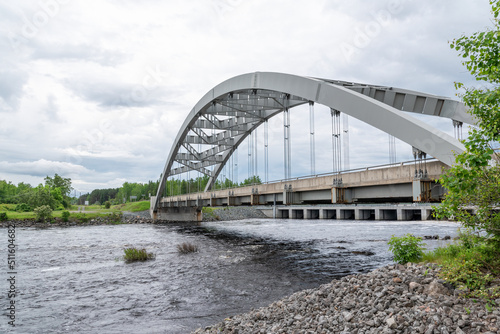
[
  {"x": 231, "y": 200},
  {"x": 421, "y": 190},
  {"x": 175, "y": 214},
  {"x": 254, "y": 197},
  {"x": 213, "y": 201},
  {"x": 180, "y": 214},
  {"x": 363, "y": 214},
  {"x": 399, "y": 213},
  {"x": 288, "y": 195},
  {"x": 341, "y": 195},
  {"x": 426, "y": 214}
]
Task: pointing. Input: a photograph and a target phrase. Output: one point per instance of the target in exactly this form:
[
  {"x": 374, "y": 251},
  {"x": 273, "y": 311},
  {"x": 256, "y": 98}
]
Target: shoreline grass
[
  {"x": 186, "y": 248},
  {"x": 472, "y": 264},
  {"x": 133, "y": 254}
]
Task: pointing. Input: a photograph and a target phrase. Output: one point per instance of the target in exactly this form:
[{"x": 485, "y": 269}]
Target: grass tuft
[
  {"x": 133, "y": 254},
  {"x": 186, "y": 248}
]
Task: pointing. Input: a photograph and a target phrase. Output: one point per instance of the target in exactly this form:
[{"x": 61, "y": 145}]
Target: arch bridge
[{"x": 229, "y": 112}]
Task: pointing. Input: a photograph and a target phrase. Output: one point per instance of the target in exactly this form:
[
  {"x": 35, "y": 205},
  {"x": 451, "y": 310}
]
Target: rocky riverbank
[
  {"x": 233, "y": 213},
  {"x": 391, "y": 299},
  {"x": 141, "y": 217}
]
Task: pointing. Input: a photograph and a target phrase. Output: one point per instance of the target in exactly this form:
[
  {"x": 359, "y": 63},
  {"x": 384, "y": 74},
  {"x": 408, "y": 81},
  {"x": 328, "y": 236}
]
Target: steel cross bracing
[
  {"x": 229, "y": 112},
  {"x": 233, "y": 118}
]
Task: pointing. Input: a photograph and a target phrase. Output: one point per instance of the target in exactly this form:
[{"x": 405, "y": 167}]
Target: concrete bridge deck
[{"x": 380, "y": 184}]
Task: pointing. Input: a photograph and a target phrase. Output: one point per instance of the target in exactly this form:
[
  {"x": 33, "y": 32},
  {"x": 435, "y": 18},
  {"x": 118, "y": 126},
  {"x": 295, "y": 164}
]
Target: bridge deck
[{"x": 377, "y": 184}]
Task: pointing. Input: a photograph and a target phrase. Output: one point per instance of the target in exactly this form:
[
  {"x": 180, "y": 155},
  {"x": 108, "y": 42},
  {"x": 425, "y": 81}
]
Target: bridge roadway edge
[{"x": 318, "y": 197}]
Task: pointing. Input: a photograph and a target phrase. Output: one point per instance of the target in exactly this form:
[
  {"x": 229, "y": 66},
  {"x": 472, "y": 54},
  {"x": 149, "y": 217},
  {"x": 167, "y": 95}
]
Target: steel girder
[{"x": 230, "y": 111}]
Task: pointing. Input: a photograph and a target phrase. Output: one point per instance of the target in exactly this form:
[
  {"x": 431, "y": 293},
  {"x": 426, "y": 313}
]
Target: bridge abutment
[{"x": 176, "y": 213}]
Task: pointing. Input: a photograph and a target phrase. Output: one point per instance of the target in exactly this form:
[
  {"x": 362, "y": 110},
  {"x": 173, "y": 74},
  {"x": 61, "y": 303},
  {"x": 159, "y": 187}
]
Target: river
[{"x": 72, "y": 280}]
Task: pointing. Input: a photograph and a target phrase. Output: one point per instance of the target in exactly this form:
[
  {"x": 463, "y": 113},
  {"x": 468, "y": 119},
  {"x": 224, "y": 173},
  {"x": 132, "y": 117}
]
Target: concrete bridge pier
[{"x": 176, "y": 213}]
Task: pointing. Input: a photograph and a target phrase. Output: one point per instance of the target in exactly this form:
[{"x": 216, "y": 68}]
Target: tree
[
  {"x": 251, "y": 180},
  {"x": 474, "y": 181},
  {"x": 61, "y": 187},
  {"x": 59, "y": 182}
]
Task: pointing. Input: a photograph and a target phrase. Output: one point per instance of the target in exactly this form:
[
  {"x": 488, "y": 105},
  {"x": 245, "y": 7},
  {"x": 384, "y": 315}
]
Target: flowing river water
[{"x": 72, "y": 280}]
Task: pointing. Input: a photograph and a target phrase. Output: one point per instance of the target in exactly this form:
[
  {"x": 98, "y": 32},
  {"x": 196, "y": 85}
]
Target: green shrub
[
  {"x": 471, "y": 265},
  {"x": 133, "y": 254},
  {"x": 406, "y": 248},
  {"x": 116, "y": 217},
  {"x": 466, "y": 270},
  {"x": 23, "y": 207},
  {"x": 42, "y": 213},
  {"x": 186, "y": 248},
  {"x": 82, "y": 217},
  {"x": 65, "y": 216},
  {"x": 441, "y": 254},
  {"x": 107, "y": 204},
  {"x": 3, "y": 216}
]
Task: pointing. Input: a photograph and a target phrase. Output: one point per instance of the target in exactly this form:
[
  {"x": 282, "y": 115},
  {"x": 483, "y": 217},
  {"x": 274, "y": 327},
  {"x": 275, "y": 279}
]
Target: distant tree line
[
  {"x": 55, "y": 192},
  {"x": 143, "y": 191}
]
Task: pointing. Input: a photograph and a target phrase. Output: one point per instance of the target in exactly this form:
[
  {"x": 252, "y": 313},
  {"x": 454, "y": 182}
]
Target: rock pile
[
  {"x": 72, "y": 222},
  {"x": 234, "y": 213},
  {"x": 392, "y": 299}
]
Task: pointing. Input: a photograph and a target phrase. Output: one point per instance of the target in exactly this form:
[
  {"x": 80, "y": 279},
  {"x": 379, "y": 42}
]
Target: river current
[{"x": 72, "y": 280}]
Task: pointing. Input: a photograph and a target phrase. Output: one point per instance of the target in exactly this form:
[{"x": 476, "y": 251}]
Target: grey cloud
[
  {"x": 52, "y": 108},
  {"x": 78, "y": 52},
  {"x": 41, "y": 168},
  {"x": 108, "y": 93},
  {"x": 11, "y": 86}
]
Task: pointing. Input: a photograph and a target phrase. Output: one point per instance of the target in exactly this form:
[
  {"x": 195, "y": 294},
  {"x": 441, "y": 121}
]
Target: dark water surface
[{"x": 70, "y": 280}]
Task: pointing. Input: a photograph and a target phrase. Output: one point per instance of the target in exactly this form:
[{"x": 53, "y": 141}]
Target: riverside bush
[
  {"x": 42, "y": 213},
  {"x": 116, "y": 217},
  {"x": 133, "y": 254},
  {"x": 23, "y": 207},
  {"x": 65, "y": 215},
  {"x": 406, "y": 249},
  {"x": 3, "y": 216},
  {"x": 472, "y": 264},
  {"x": 107, "y": 204}
]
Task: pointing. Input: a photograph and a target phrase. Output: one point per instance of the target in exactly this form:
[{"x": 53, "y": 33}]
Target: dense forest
[{"x": 55, "y": 192}]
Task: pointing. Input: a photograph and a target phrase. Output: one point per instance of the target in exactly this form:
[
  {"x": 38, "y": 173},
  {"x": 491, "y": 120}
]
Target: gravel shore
[{"x": 391, "y": 299}]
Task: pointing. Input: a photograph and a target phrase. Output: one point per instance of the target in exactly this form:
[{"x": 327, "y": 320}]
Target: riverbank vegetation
[
  {"x": 133, "y": 254},
  {"x": 186, "y": 248},
  {"x": 471, "y": 263},
  {"x": 473, "y": 183}
]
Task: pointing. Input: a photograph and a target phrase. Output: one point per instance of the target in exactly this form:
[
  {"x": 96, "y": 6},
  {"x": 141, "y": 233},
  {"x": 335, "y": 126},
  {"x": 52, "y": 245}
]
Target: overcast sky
[{"x": 96, "y": 90}]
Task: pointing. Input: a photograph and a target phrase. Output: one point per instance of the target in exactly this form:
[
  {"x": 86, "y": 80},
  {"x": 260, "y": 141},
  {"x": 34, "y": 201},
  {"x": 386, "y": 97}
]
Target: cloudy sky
[{"x": 96, "y": 90}]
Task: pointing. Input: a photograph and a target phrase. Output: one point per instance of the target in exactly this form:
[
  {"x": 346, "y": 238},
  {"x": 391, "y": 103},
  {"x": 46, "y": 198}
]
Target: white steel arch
[{"x": 230, "y": 111}]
